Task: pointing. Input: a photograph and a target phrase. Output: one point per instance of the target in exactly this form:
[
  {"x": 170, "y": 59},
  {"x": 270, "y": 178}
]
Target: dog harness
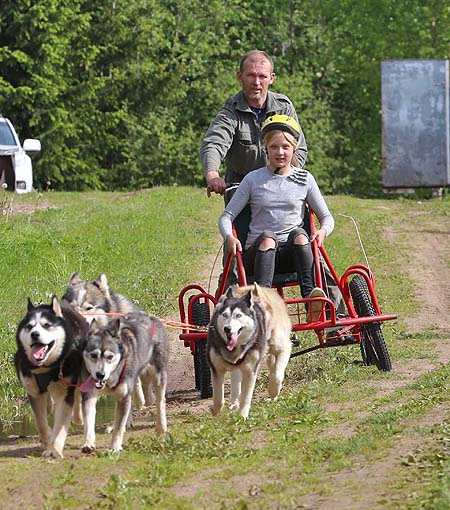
[
  {"x": 45, "y": 378},
  {"x": 122, "y": 374},
  {"x": 244, "y": 354}
]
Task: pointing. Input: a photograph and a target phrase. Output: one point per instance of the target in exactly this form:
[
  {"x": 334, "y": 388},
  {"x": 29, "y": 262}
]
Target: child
[{"x": 277, "y": 194}]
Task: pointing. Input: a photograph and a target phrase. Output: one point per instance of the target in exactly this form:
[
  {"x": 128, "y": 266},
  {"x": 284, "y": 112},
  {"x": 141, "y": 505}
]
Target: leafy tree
[{"x": 121, "y": 92}]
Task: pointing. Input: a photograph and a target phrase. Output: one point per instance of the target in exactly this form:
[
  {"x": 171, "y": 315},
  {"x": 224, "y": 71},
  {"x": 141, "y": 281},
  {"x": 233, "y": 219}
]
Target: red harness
[{"x": 122, "y": 375}]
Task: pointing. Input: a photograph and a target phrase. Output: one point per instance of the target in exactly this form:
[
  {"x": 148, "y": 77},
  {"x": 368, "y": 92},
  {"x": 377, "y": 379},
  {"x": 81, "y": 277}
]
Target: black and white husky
[
  {"x": 247, "y": 323},
  {"x": 48, "y": 363},
  {"x": 114, "y": 356}
]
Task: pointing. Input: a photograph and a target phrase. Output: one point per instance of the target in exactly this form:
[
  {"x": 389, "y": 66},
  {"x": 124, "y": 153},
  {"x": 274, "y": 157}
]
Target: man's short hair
[{"x": 255, "y": 53}]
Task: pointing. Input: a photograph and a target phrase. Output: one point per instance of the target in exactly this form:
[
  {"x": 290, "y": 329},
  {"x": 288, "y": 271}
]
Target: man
[{"x": 234, "y": 136}]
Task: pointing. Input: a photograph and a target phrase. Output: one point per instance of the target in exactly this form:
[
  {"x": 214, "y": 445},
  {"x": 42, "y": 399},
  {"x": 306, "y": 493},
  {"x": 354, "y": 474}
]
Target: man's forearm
[{"x": 210, "y": 175}]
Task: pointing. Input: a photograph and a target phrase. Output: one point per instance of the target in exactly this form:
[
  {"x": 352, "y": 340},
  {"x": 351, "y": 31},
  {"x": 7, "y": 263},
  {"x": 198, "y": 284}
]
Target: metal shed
[{"x": 415, "y": 124}]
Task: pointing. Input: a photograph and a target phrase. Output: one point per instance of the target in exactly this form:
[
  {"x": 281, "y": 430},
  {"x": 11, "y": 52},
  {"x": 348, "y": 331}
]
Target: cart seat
[{"x": 280, "y": 279}]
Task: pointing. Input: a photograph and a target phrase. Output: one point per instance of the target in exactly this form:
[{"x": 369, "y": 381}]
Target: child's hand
[
  {"x": 233, "y": 245},
  {"x": 319, "y": 235}
]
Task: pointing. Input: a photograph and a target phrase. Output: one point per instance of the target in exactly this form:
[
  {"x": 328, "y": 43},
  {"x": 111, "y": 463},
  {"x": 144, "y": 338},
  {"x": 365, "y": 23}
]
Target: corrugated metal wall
[{"x": 415, "y": 123}]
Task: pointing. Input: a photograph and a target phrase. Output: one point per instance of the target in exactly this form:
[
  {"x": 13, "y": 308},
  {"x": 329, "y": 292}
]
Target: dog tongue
[
  {"x": 38, "y": 351},
  {"x": 88, "y": 385},
  {"x": 233, "y": 341}
]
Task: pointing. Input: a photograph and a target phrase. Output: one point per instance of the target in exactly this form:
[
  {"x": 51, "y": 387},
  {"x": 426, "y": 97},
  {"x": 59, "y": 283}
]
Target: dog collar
[
  {"x": 241, "y": 359},
  {"x": 152, "y": 330},
  {"x": 122, "y": 374}
]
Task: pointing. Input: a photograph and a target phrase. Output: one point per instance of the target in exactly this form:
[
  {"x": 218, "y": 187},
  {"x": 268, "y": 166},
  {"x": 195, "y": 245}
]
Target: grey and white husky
[
  {"x": 48, "y": 363},
  {"x": 114, "y": 356},
  {"x": 96, "y": 300},
  {"x": 247, "y": 323}
]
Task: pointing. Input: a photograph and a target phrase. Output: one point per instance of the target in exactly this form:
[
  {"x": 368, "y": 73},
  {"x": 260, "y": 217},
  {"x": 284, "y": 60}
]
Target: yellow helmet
[{"x": 283, "y": 123}]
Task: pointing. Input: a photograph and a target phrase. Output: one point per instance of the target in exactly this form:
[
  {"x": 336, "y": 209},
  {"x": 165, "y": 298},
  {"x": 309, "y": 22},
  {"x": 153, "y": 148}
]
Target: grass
[
  {"x": 149, "y": 245},
  {"x": 333, "y": 415}
]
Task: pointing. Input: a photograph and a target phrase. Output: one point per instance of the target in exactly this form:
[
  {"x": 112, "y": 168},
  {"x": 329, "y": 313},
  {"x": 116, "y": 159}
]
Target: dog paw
[
  {"x": 215, "y": 410},
  {"x": 244, "y": 413},
  {"x": 274, "y": 390},
  {"x": 88, "y": 449},
  {"x": 160, "y": 430},
  {"x": 52, "y": 453}
]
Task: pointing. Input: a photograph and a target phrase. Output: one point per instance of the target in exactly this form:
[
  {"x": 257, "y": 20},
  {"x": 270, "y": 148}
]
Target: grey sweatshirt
[{"x": 277, "y": 203}]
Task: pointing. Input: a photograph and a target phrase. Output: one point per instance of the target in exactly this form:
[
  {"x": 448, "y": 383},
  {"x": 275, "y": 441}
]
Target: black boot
[
  {"x": 304, "y": 266},
  {"x": 264, "y": 267}
]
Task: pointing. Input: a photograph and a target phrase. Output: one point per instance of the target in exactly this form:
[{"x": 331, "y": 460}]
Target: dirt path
[
  {"x": 181, "y": 385},
  {"x": 365, "y": 486},
  {"x": 429, "y": 270}
]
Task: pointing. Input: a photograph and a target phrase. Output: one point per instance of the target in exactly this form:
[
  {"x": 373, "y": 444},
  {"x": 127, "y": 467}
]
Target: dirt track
[{"x": 429, "y": 270}]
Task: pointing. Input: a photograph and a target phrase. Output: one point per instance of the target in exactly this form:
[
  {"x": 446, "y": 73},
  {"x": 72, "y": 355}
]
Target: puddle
[{"x": 27, "y": 427}]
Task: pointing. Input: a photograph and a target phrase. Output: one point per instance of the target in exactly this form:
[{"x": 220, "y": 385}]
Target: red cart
[{"x": 361, "y": 323}]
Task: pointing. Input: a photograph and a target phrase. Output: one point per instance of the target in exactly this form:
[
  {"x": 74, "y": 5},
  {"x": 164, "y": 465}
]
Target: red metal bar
[
  {"x": 368, "y": 276},
  {"x": 181, "y": 298},
  {"x": 351, "y": 321},
  {"x": 315, "y": 249}
]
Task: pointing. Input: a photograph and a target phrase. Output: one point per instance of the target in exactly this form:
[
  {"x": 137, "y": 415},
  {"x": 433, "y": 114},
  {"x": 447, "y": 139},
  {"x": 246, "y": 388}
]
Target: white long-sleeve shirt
[{"x": 277, "y": 203}]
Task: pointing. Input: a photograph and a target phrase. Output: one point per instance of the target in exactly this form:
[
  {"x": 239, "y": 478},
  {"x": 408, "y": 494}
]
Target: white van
[{"x": 16, "y": 170}]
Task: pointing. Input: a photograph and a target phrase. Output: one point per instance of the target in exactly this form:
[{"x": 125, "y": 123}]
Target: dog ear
[
  {"x": 56, "y": 307},
  {"x": 94, "y": 327},
  {"x": 229, "y": 293},
  {"x": 248, "y": 299},
  {"x": 114, "y": 326},
  {"x": 256, "y": 289},
  {"x": 102, "y": 283},
  {"x": 74, "y": 279},
  {"x": 30, "y": 305}
]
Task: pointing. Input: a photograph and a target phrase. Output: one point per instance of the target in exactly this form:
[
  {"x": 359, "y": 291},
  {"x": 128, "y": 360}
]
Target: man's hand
[
  {"x": 214, "y": 183},
  {"x": 233, "y": 245}
]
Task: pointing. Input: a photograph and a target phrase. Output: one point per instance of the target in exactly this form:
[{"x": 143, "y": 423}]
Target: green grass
[
  {"x": 334, "y": 414},
  {"x": 149, "y": 245}
]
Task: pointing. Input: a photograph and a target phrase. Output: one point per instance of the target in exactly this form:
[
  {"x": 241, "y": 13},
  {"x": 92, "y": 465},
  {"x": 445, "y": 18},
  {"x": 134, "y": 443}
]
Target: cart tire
[
  {"x": 196, "y": 369},
  {"x": 373, "y": 347},
  {"x": 201, "y": 317},
  {"x": 204, "y": 370}
]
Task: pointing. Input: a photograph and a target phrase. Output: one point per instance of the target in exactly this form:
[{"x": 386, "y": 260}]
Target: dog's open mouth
[
  {"x": 40, "y": 352},
  {"x": 232, "y": 339},
  {"x": 91, "y": 384}
]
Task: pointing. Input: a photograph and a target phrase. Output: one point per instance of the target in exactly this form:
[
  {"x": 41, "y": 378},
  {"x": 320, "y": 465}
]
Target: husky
[
  {"x": 248, "y": 323},
  {"x": 95, "y": 300},
  {"x": 48, "y": 363},
  {"x": 114, "y": 356}
]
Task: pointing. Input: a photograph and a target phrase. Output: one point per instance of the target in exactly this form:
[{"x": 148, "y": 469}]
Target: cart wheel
[
  {"x": 373, "y": 347},
  {"x": 201, "y": 317}
]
